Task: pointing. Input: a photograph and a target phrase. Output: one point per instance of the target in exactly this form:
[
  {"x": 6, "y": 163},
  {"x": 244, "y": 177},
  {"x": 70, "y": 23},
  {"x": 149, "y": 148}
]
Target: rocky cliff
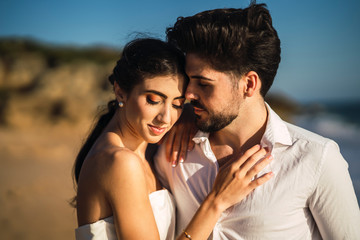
[{"x": 44, "y": 84}]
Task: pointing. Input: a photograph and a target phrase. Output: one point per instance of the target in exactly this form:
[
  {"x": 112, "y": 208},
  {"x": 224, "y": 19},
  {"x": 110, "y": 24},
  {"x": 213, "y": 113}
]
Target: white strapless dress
[{"x": 163, "y": 207}]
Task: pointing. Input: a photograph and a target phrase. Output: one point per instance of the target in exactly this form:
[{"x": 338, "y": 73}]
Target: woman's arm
[
  {"x": 232, "y": 184},
  {"x": 127, "y": 192},
  {"x": 179, "y": 139}
]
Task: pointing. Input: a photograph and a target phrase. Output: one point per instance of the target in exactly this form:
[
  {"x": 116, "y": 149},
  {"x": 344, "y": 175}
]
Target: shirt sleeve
[{"x": 333, "y": 203}]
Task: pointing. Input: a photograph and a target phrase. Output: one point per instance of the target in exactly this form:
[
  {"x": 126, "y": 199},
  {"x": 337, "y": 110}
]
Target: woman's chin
[{"x": 154, "y": 139}]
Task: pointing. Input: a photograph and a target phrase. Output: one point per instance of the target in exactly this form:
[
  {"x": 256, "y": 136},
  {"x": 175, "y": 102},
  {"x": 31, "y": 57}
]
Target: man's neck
[{"x": 243, "y": 133}]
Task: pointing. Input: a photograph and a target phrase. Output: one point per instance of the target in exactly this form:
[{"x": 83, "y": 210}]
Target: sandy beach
[
  {"x": 48, "y": 98},
  {"x": 36, "y": 182}
]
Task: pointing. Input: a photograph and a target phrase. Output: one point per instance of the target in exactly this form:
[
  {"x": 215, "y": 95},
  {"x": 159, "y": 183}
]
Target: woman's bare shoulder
[
  {"x": 110, "y": 167},
  {"x": 120, "y": 160}
]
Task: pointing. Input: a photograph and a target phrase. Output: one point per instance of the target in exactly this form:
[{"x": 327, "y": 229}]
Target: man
[{"x": 232, "y": 58}]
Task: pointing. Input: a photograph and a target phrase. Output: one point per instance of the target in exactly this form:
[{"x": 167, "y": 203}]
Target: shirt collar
[
  {"x": 200, "y": 137},
  {"x": 276, "y": 132}
]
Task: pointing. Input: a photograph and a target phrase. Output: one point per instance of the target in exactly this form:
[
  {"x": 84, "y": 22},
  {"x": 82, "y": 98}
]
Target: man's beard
[{"x": 215, "y": 122}]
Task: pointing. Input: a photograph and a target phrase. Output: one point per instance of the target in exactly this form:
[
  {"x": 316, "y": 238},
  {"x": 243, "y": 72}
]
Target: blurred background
[{"x": 55, "y": 58}]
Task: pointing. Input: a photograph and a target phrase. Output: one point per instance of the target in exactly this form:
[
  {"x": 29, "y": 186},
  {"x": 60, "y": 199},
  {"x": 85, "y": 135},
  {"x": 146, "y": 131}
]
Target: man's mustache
[{"x": 197, "y": 104}]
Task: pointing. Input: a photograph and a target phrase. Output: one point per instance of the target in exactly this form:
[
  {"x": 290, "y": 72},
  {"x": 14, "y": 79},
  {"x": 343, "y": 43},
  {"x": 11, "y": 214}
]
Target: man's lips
[
  {"x": 197, "y": 106},
  {"x": 157, "y": 130},
  {"x": 198, "y": 110}
]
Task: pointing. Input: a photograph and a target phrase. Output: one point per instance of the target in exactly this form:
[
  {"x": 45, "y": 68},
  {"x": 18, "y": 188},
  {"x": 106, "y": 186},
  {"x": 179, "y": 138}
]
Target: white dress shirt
[{"x": 311, "y": 195}]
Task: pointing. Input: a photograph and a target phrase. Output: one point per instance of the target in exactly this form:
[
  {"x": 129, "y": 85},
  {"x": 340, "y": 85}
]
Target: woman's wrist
[
  {"x": 213, "y": 203},
  {"x": 204, "y": 220}
]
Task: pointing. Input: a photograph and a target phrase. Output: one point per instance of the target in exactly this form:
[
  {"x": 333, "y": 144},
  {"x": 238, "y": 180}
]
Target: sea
[{"x": 339, "y": 121}]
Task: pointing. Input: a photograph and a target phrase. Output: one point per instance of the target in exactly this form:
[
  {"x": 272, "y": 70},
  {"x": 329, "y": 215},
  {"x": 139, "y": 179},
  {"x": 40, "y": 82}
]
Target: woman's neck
[{"x": 127, "y": 137}]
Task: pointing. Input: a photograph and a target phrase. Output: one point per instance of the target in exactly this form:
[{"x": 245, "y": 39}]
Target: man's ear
[
  {"x": 119, "y": 93},
  {"x": 252, "y": 83}
]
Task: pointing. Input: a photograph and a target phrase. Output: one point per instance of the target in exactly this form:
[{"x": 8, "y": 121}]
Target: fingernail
[
  {"x": 181, "y": 160},
  {"x": 271, "y": 157},
  {"x": 173, "y": 164}
]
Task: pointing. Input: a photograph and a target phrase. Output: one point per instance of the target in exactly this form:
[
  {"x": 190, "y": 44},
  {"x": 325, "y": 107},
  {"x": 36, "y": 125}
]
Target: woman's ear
[
  {"x": 119, "y": 93},
  {"x": 252, "y": 84}
]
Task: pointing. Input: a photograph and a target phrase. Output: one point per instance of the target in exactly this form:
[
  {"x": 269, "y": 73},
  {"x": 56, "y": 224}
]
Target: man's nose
[{"x": 190, "y": 93}]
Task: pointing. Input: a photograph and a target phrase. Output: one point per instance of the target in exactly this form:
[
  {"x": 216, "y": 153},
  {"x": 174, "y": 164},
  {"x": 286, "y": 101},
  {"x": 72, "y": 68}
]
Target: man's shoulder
[
  {"x": 299, "y": 134},
  {"x": 296, "y": 135},
  {"x": 290, "y": 134},
  {"x": 312, "y": 145}
]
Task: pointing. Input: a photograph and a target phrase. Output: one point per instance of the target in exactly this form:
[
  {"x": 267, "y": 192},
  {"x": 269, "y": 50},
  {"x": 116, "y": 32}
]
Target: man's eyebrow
[
  {"x": 161, "y": 94},
  {"x": 201, "y": 77}
]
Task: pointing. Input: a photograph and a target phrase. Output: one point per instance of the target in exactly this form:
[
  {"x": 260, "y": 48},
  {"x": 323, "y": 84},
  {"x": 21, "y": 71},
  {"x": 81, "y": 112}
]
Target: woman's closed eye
[
  {"x": 153, "y": 99},
  {"x": 178, "y": 103}
]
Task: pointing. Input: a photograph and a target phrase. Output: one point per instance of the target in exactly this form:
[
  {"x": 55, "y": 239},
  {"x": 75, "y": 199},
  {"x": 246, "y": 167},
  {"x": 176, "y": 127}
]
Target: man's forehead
[
  {"x": 197, "y": 67},
  {"x": 196, "y": 64}
]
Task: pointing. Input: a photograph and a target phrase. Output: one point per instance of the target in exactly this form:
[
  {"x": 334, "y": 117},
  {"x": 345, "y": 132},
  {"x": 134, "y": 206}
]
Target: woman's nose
[{"x": 164, "y": 116}]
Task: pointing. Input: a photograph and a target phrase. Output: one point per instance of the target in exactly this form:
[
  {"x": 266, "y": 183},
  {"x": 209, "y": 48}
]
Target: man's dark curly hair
[{"x": 232, "y": 40}]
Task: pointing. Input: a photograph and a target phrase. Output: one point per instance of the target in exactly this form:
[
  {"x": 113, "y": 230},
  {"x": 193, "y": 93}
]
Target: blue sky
[{"x": 320, "y": 39}]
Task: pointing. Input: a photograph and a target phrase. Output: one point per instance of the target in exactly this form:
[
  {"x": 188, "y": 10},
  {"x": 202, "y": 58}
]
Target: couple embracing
[{"x": 247, "y": 173}]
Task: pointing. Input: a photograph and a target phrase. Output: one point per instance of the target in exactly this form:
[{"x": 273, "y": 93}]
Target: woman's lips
[{"x": 157, "y": 130}]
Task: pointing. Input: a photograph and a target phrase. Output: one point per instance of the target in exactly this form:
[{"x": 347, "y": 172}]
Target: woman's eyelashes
[
  {"x": 177, "y": 106},
  {"x": 179, "y": 103},
  {"x": 154, "y": 100}
]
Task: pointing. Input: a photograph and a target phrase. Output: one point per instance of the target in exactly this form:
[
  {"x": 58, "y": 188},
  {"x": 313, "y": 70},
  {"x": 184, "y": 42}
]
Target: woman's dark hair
[
  {"x": 141, "y": 58},
  {"x": 232, "y": 40}
]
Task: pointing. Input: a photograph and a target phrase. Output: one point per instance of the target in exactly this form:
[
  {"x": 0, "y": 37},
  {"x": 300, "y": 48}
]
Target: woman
[{"x": 118, "y": 194}]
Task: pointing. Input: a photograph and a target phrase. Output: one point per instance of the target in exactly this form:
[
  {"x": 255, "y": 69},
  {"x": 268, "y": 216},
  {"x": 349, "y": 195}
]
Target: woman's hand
[
  {"x": 234, "y": 182},
  {"x": 179, "y": 138},
  {"x": 238, "y": 178}
]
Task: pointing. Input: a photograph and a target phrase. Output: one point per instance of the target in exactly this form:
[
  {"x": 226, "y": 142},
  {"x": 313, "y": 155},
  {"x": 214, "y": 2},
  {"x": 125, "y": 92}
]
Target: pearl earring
[{"x": 121, "y": 104}]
